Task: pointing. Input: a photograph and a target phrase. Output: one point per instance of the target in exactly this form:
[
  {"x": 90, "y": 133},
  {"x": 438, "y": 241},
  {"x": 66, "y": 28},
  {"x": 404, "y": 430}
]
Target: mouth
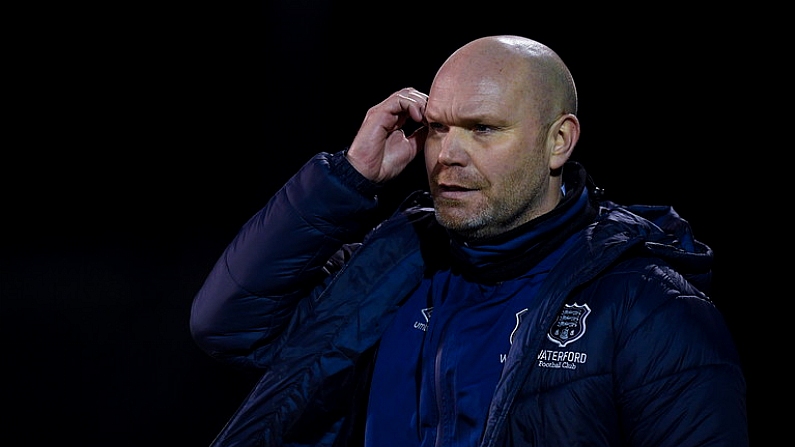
[
  {"x": 452, "y": 192},
  {"x": 450, "y": 187}
]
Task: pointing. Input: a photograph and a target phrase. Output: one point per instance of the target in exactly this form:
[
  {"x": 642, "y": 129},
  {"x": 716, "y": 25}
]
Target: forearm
[{"x": 278, "y": 256}]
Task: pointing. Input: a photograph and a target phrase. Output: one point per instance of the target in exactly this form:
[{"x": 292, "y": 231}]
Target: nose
[{"x": 452, "y": 149}]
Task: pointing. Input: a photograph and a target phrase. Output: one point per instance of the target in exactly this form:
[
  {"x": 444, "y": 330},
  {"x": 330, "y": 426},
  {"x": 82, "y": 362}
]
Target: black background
[{"x": 147, "y": 134}]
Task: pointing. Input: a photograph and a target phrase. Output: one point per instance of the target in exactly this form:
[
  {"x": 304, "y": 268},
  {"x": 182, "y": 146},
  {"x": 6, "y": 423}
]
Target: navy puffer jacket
[{"x": 306, "y": 288}]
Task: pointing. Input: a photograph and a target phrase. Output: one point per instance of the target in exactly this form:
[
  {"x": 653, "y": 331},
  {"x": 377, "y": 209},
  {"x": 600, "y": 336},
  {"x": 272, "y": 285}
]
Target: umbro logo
[{"x": 423, "y": 325}]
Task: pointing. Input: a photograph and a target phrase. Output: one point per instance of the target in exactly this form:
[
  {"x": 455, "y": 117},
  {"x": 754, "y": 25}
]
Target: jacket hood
[{"x": 663, "y": 233}]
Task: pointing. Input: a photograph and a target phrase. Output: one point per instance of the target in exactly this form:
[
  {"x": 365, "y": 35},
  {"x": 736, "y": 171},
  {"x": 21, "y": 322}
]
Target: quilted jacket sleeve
[
  {"x": 678, "y": 373},
  {"x": 279, "y": 256}
]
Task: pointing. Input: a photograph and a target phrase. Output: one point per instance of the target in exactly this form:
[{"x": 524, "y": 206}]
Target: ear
[{"x": 563, "y": 134}]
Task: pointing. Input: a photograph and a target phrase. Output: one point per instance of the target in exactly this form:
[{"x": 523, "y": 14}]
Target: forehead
[{"x": 463, "y": 95}]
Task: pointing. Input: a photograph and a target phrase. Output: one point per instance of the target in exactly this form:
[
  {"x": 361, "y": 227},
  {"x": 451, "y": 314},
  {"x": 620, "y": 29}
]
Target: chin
[{"x": 455, "y": 219}]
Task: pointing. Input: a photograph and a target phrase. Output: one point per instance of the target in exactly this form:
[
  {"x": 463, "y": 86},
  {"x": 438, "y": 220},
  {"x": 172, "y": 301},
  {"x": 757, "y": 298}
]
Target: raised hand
[{"x": 381, "y": 150}]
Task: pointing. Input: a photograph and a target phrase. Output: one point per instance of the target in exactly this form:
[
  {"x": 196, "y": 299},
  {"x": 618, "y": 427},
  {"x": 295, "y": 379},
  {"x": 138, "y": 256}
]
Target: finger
[
  {"x": 417, "y": 138},
  {"x": 417, "y": 95},
  {"x": 413, "y": 96},
  {"x": 412, "y": 101}
]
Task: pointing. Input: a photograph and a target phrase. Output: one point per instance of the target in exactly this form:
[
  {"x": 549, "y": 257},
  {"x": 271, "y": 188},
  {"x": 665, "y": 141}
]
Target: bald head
[
  {"x": 524, "y": 66},
  {"x": 501, "y": 124}
]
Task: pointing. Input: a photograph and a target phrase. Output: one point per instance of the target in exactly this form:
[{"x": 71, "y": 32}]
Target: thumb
[{"x": 417, "y": 139}]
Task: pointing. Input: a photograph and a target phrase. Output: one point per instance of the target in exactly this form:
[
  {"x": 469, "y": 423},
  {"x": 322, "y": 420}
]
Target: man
[{"x": 509, "y": 305}]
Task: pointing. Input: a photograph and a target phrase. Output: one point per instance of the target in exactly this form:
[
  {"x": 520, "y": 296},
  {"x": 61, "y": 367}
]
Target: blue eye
[{"x": 481, "y": 128}]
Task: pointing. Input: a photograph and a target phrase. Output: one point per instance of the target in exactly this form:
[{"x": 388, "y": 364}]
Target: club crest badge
[{"x": 570, "y": 324}]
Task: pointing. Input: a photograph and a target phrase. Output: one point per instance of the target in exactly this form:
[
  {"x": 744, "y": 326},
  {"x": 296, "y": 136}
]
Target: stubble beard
[
  {"x": 487, "y": 217},
  {"x": 456, "y": 218}
]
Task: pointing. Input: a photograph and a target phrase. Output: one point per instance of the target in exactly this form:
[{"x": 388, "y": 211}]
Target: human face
[{"x": 486, "y": 153}]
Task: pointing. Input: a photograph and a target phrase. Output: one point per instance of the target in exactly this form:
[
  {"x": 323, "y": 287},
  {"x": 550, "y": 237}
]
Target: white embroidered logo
[
  {"x": 519, "y": 315},
  {"x": 518, "y": 322},
  {"x": 423, "y": 326},
  {"x": 570, "y": 324}
]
